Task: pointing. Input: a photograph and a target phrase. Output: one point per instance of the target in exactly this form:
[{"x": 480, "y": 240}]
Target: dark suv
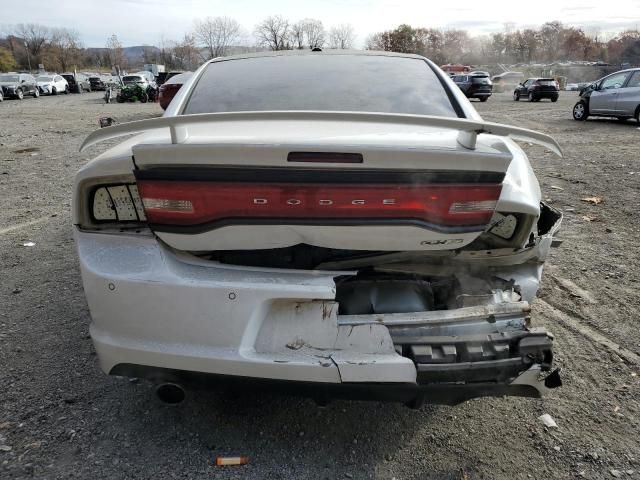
[
  {"x": 78, "y": 82},
  {"x": 534, "y": 89},
  {"x": 474, "y": 85},
  {"x": 97, "y": 83},
  {"x": 17, "y": 85}
]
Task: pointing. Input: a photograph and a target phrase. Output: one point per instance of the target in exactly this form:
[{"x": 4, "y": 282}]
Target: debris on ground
[
  {"x": 241, "y": 460},
  {"x": 548, "y": 421},
  {"x": 593, "y": 200}
]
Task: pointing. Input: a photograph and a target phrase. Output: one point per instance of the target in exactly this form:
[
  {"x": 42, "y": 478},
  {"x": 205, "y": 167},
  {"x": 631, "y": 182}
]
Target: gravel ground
[{"x": 60, "y": 417}]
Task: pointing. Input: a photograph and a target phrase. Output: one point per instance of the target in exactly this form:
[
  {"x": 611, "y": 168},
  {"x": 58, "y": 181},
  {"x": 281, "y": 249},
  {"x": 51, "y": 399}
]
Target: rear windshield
[
  {"x": 8, "y": 78},
  {"x": 132, "y": 79},
  {"x": 44, "y": 79},
  {"x": 482, "y": 79},
  {"x": 356, "y": 83},
  {"x": 547, "y": 82}
]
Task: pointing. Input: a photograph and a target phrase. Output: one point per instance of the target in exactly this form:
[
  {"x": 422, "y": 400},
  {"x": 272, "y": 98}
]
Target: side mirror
[{"x": 23, "y": 81}]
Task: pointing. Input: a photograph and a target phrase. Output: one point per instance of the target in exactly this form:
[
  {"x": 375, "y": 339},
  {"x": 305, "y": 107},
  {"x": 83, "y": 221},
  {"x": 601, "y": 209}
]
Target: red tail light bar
[{"x": 191, "y": 203}]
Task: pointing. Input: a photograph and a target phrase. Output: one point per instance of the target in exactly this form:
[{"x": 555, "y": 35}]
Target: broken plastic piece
[
  {"x": 548, "y": 421},
  {"x": 242, "y": 460}
]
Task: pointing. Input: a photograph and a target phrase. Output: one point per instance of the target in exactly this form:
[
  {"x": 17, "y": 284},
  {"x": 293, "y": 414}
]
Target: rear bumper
[{"x": 156, "y": 314}]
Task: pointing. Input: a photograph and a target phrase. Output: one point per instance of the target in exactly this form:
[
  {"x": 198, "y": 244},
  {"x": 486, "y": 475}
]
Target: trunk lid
[{"x": 362, "y": 185}]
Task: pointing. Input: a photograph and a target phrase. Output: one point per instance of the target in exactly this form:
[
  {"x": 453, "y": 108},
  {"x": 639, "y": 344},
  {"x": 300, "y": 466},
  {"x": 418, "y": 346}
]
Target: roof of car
[{"x": 297, "y": 53}]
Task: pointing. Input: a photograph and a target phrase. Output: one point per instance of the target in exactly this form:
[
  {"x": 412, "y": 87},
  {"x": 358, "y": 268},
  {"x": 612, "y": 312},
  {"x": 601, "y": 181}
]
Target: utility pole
[{"x": 26, "y": 47}]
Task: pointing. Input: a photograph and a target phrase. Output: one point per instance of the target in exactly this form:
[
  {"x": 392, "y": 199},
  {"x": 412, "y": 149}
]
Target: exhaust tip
[{"x": 170, "y": 393}]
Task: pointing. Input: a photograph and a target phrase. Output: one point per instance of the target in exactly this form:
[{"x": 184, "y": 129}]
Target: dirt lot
[{"x": 60, "y": 417}]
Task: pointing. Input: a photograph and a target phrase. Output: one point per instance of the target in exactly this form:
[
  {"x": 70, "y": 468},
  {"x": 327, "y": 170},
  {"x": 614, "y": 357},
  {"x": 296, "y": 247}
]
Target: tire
[
  {"x": 144, "y": 98},
  {"x": 54, "y": 91},
  {"x": 119, "y": 99},
  {"x": 531, "y": 97},
  {"x": 36, "y": 93},
  {"x": 516, "y": 96},
  {"x": 89, "y": 89},
  {"x": 484, "y": 99},
  {"x": 66, "y": 90},
  {"x": 636, "y": 116},
  {"x": 19, "y": 94},
  {"x": 554, "y": 99},
  {"x": 580, "y": 111}
]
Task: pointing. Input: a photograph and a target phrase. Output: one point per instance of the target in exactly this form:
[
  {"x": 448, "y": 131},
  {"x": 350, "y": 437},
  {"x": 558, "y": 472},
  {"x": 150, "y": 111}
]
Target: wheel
[
  {"x": 554, "y": 99},
  {"x": 580, "y": 111},
  {"x": 636, "y": 116},
  {"x": 54, "y": 91},
  {"x": 19, "y": 94},
  {"x": 144, "y": 98},
  {"x": 89, "y": 89},
  {"x": 516, "y": 96},
  {"x": 531, "y": 97},
  {"x": 36, "y": 93},
  {"x": 66, "y": 90},
  {"x": 484, "y": 99},
  {"x": 119, "y": 99}
]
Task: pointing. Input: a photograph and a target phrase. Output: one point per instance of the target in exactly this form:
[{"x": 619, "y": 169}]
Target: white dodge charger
[{"x": 337, "y": 224}]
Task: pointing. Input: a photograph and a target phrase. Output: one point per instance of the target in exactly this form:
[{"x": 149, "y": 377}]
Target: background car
[
  {"x": 535, "y": 89},
  {"x": 616, "y": 95},
  {"x": 169, "y": 89},
  {"x": 475, "y": 86},
  {"x": 78, "y": 82},
  {"x": 17, "y": 85},
  {"x": 52, "y": 84},
  {"x": 97, "y": 82},
  {"x": 505, "y": 81}
]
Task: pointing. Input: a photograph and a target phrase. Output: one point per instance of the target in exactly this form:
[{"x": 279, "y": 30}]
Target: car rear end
[
  {"x": 480, "y": 87},
  {"x": 354, "y": 254},
  {"x": 545, "y": 88},
  {"x": 96, "y": 83}
]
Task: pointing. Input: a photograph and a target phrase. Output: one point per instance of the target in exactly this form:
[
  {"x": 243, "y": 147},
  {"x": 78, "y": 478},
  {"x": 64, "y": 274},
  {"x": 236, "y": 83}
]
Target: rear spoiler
[{"x": 467, "y": 137}]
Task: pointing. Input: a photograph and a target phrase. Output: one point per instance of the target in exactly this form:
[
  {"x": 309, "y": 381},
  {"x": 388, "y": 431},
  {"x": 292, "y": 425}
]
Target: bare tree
[
  {"x": 35, "y": 37},
  {"x": 115, "y": 52},
  {"x": 314, "y": 32},
  {"x": 274, "y": 33},
  {"x": 341, "y": 36},
  {"x": 185, "y": 53},
  {"x": 296, "y": 33},
  {"x": 65, "y": 48},
  {"x": 216, "y": 34}
]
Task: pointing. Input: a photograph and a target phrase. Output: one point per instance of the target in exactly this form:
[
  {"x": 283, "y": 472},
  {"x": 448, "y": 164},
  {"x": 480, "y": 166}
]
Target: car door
[
  {"x": 628, "y": 98},
  {"x": 523, "y": 89},
  {"x": 603, "y": 99}
]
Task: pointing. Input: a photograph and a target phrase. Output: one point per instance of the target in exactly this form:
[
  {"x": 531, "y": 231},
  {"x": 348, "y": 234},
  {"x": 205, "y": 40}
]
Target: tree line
[
  {"x": 551, "y": 42},
  {"x": 61, "y": 49}
]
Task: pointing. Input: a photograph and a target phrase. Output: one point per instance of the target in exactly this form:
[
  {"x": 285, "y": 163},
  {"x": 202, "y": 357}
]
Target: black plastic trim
[{"x": 218, "y": 173}]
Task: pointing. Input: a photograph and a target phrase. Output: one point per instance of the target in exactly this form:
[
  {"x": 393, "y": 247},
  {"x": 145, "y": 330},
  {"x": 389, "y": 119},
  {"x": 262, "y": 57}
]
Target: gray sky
[{"x": 138, "y": 22}]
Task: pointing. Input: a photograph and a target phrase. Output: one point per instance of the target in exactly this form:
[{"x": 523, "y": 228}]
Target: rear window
[
  {"x": 132, "y": 79},
  {"x": 356, "y": 83},
  {"x": 547, "y": 82},
  {"x": 9, "y": 78},
  {"x": 481, "y": 79}
]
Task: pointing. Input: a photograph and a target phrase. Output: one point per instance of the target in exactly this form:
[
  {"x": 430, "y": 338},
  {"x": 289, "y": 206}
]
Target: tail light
[{"x": 174, "y": 203}]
